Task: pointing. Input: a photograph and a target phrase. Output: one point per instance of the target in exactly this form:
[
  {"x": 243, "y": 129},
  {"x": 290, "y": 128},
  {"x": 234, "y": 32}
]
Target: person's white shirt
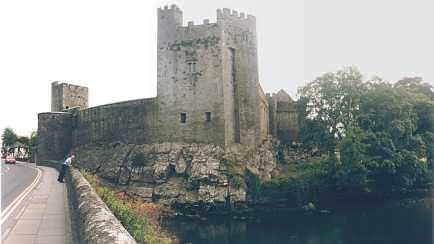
[{"x": 68, "y": 161}]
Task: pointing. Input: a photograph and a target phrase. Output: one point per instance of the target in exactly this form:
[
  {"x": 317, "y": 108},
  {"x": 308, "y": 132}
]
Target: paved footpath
[{"x": 44, "y": 216}]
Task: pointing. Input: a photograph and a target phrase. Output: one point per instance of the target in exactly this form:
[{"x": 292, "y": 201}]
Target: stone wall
[
  {"x": 96, "y": 224},
  {"x": 54, "y": 135},
  {"x": 283, "y": 118},
  {"x": 92, "y": 221},
  {"x": 132, "y": 121},
  {"x": 286, "y": 122}
]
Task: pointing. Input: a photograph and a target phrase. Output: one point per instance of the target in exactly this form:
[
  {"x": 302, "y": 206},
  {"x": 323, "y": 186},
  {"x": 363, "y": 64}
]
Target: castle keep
[{"x": 208, "y": 92}]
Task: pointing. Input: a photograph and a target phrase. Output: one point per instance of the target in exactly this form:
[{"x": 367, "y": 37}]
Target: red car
[{"x": 10, "y": 159}]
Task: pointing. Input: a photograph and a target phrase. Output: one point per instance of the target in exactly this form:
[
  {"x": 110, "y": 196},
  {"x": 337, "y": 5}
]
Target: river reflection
[{"x": 397, "y": 222}]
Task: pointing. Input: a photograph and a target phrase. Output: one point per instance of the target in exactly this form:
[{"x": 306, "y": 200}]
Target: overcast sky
[{"x": 110, "y": 46}]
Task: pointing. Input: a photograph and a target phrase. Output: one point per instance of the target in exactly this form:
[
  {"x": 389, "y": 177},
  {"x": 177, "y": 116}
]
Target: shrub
[
  {"x": 132, "y": 214},
  {"x": 235, "y": 171}
]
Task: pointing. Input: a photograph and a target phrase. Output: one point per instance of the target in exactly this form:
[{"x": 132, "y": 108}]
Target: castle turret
[
  {"x": 67, "y": 96},
  {"x": 249, "y": 109},
  {"x": 54, "y": 135},
  {"x": 168, "y": 20}
]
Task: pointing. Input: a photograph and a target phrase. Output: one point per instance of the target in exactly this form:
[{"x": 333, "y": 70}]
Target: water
[{"x": 394, "y": 222}]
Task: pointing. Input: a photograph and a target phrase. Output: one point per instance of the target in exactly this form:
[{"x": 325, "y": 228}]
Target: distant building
[{"x": 208, "y": 92}]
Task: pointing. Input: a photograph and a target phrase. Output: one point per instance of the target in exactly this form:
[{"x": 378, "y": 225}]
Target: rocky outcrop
[{"x": 176, "y": 174}]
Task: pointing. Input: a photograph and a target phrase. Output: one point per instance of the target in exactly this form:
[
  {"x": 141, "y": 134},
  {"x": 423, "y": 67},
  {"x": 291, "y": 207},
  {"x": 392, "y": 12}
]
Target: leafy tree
[
  {"x": 333, "y": 100},
  {"x": 424, "y": 108},
  {"x": 9, "y": 137},
  {"x": 384, "y": 133},
  {"x": 416, "y": 85},
  {"x": 315, "y": 136},
  {"x": 24, "y": 140},
  {"x": 352, "y": 175},
  {"x": 33, "y": 139}
]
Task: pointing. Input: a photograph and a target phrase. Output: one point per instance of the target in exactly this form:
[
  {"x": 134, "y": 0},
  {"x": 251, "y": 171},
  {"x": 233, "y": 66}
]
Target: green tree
[
  {"x": 33, "y": 143},
  {"x": 333, "y": 100},
  {"x": 9, "y": 137},
  {"x": 416, "y": 85},
  {"x": 384, "y": 133},
  {"x": 315, "y": 136},
  {"x": 24, "y": 140},
  {"x": 352, "y": 174}
]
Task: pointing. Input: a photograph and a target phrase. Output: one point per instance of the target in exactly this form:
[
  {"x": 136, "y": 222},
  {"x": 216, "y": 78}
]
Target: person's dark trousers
[{"x": 62, "y": 173}]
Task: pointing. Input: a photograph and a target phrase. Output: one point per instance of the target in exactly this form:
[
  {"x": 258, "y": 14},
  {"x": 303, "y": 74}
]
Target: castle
[{"x": 208, "y": 92}]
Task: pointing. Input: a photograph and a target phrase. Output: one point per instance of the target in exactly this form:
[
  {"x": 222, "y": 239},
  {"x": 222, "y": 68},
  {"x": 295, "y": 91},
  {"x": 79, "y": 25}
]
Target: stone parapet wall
[
  {"x": 130, "y": 121},
  {"x": 94, "y": 222}
]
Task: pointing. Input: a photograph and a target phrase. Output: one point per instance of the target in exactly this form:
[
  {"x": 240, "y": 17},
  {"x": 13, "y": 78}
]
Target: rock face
[{"x": 185, "y": 175}]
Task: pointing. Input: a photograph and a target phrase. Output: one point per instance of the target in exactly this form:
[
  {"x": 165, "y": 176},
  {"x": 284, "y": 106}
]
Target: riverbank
[
  {"x": 389, "y": 222},
  {"x": 254, "y": 210}
]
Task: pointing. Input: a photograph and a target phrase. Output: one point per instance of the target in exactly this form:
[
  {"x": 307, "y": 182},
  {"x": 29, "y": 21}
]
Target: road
[{"x": 14, "y": 179}]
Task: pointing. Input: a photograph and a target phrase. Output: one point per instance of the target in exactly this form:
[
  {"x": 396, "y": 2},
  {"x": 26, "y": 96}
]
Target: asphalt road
[{"x": 14, "y": 179}]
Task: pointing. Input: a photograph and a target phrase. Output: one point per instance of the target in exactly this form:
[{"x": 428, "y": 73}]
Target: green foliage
[
  {"x": 382, "y": 135},
  {"x": 9, "y": 137},
  {"x": 333, "y": 99},
  {"x": 139, "y": 160},
  {"x": 33, "y": 139},
  {"x": 301, "y": 184},
  {"x": 235, "y": 171},
  {"x": 315, "y": 136},
  {"x": 138, "y": 225},
  {"x": 352, "y": 175},
  {"x": 24, "y": 140}
]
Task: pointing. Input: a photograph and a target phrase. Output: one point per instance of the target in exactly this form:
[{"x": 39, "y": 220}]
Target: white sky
[{"x": 110, "y": 46}]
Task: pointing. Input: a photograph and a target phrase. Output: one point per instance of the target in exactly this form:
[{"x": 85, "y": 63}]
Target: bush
[
  {"x": 131, "y": 214},
  {"x": 235, "y": 171}
]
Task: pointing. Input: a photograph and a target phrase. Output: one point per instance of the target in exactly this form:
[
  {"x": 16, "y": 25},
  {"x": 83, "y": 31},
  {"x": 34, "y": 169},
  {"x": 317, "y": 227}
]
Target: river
[{"x": 406, "y": 221}]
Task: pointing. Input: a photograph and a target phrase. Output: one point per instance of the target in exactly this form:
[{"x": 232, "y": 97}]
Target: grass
[
  {"x": 139, "y": 218},
  {"x": 235, "y": 172}
]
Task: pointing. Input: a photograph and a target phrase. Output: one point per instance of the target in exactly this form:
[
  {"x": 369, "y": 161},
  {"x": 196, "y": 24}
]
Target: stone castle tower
[
  {"x": 208, "y": 92},
  {"x": 208, "y": 88},
  {"x": 67, "y": 96}
]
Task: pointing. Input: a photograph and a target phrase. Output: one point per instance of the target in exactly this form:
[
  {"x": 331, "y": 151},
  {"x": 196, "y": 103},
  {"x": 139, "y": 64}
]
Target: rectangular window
[
  {"x": 207, "y": 116},
  {"x": 183, "y": 117},
  {"x": 191, "y": 67}
]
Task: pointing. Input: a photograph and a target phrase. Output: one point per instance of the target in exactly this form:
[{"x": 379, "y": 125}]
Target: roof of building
[{"x": 283, "y": 96}]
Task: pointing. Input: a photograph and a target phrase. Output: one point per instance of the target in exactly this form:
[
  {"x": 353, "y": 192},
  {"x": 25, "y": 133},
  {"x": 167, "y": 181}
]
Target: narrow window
[
  {"x": 183, "y": 117},
  {"x": 191, "y": 67},
  {"x": 194, "y": 67},
  {"x": 207, "y": 116}
]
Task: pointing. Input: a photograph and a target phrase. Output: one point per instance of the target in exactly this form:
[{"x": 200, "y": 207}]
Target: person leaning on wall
[{"x": 65, "y": 167}]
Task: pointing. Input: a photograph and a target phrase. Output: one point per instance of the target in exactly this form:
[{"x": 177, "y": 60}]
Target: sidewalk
[{"x": 45, "y": 215}]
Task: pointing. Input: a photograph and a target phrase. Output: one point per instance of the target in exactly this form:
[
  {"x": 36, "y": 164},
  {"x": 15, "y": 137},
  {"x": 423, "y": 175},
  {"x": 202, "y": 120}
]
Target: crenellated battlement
[
  {"x": 223, "y": 15},
  {"x": 228, "y": 14},
  {"x": 173, "y": 7}
]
